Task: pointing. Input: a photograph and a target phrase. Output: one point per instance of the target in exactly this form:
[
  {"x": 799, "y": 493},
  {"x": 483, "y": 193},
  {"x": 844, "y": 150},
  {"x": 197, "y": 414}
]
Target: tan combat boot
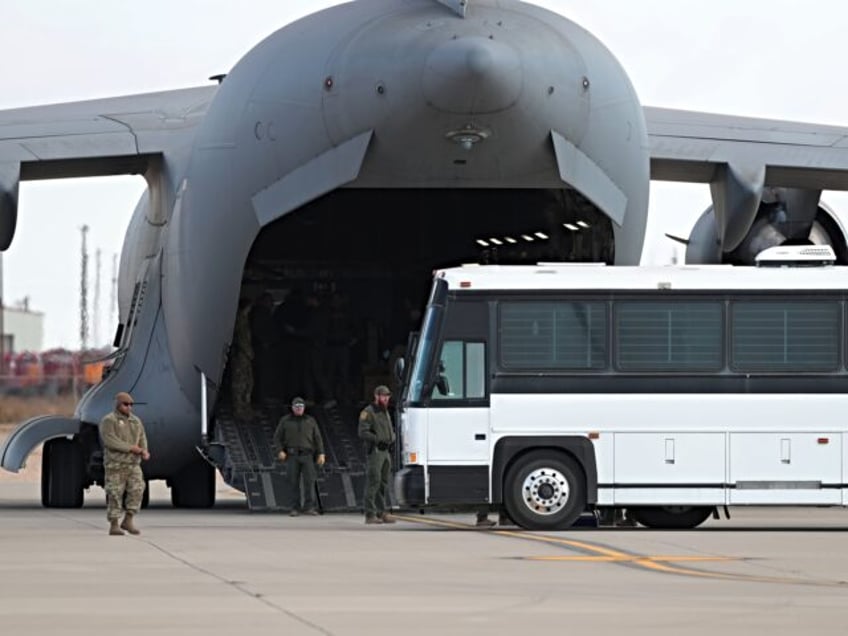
[
  {"x": 127, "y": 524},
  {"x": 114, "y": 529},
  {"x": 387, "y": 518}
]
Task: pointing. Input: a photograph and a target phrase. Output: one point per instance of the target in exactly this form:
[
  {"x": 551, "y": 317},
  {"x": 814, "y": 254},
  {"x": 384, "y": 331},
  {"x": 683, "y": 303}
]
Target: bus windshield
[{"x": 425, "y": 351}]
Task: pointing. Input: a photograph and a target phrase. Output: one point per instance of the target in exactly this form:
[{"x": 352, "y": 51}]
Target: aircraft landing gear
[
  {"x": 62, "y": 474},
  {"x": 194, "y": 486}
]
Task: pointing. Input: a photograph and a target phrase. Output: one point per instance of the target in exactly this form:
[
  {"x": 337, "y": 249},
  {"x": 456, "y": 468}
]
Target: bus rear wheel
[
  {"x": 671, "y": 517},
  {"x": 544, "y": 490}
]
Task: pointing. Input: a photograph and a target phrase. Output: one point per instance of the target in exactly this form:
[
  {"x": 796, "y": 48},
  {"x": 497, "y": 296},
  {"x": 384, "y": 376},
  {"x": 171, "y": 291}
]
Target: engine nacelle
[{"x": 784, "y": 217}]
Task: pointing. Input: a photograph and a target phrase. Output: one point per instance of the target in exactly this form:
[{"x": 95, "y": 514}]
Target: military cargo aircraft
[{"x": 346, "y": 156}]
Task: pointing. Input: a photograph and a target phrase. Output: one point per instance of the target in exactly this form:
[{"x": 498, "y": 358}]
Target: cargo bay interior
[{"x": 334, "y": 290}]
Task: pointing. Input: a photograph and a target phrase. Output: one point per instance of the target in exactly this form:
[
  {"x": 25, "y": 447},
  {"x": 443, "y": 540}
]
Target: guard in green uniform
[
  {"x": 375, "y": 428},
  {"x": 298, "y": 439},
  {"x": 124, "y": 447}
]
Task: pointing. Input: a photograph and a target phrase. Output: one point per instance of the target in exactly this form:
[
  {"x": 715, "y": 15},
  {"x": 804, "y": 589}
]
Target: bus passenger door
[{"x": 458, "y": 421}]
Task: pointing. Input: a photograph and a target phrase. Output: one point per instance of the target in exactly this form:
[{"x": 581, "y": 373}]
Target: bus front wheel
[
  {"x": 671, "y": 517},
  {"x": 544, "y": 490}
]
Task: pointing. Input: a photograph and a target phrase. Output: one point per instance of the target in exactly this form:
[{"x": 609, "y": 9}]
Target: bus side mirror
[{"x": 400, "y": 365}]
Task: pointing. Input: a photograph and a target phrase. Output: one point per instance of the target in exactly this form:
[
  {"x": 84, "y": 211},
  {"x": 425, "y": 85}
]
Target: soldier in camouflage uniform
[
  {"x": 375, "y": 428},
  {"x": 124, "y": 447},
  {"x": 241, "y": 365},
  {"x": 298, "y": 439}
]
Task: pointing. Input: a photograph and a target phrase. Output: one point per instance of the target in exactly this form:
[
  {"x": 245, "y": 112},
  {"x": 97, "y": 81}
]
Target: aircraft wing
[
  {"x": 747, "y": 161},
  {"x": 118, "y": 135},
  {"x": 47, "y": 141},
  {"x": 689, "y": 146}
]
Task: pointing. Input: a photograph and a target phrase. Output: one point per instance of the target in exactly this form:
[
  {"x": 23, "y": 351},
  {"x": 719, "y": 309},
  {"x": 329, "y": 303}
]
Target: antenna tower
[
  {"x": 113, "y": 293},
  {"x": 84, "y": 292},
  {"x": 95, "y": 306}
]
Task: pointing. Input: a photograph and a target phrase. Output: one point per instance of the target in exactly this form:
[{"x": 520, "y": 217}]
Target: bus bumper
[{"x": 409, "y": 486}]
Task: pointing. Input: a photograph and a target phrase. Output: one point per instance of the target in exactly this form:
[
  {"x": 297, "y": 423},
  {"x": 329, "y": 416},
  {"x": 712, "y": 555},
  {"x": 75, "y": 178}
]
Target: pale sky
[{"x": 778, "y": 59}]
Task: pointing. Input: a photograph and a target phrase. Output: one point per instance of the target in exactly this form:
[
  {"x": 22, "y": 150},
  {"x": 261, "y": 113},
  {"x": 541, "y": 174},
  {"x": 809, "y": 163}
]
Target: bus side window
[
  {"x": 475, "y": 370},
  {"x": 462, "y": 371}
]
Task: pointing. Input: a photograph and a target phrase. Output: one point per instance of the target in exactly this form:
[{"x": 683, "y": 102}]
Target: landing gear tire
[
  {"x": 145, "y": 498},
  {"x": 671, "y": 517},
  {"x": 62, "y": 474},
  {"x": 194, "y": 486},
  {"x": 544, "y": 490}
]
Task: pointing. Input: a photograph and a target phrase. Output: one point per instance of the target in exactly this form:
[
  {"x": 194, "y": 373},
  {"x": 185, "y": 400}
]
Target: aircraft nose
[{"x": 472, "y": 75}]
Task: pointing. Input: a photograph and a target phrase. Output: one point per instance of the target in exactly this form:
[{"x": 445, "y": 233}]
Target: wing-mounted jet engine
[
  {"x": 784, "y": 216},
  {"x": 765, "y": 180}
]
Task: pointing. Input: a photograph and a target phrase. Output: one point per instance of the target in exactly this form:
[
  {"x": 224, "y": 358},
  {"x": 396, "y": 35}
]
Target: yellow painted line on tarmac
[
  {"x": 628, "y": 559},
  {"x": 614, "y": 556},
  {"x": 580, "y": 545},
  {"x": 603, "y": 554}
]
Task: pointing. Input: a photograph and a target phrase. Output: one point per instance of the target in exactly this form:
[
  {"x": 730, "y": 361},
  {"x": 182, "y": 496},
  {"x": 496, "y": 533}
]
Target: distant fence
[{"x": 47, "y": 386}]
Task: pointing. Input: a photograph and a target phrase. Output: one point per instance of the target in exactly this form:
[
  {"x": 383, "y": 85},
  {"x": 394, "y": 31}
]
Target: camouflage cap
[
  {"x": 382, "y": 390},
  {"x": 298, "y": 401},
  {"x": 123, "y": 396}
]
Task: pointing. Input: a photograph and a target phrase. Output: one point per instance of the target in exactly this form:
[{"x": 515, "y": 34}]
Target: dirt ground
[{"x": 31, "y": 471}]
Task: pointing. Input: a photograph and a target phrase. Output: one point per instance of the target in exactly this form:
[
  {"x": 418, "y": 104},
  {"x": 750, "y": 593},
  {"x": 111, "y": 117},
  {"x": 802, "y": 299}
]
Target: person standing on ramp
[{"x": 300, "y": 445}]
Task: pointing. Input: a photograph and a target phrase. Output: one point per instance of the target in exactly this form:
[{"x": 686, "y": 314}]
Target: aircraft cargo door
[{"x": 458, "y": 426}]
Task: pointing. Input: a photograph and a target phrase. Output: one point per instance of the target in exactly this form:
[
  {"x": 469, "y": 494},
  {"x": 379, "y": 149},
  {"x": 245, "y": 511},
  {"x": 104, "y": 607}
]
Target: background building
[{"x": 23, "y": 329}]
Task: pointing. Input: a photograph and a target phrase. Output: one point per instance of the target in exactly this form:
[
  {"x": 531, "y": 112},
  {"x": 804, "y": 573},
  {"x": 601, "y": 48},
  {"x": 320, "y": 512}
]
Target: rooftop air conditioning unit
[{"x": 796, "y": 255}]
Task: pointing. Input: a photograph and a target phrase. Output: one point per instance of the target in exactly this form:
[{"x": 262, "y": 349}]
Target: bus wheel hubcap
[{"x": 545, "y": 491}]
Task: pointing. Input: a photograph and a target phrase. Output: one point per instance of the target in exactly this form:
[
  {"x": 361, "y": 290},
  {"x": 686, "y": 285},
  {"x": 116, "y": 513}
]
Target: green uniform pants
[
  {"x": 121, "y": 479},
  {"x": 301, "y": 467},
  {"x": 378, "y": 467}
]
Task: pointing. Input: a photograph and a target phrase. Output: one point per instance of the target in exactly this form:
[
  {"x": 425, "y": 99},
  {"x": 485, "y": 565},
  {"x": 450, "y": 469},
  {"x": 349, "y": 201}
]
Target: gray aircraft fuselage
[
  {"x": 371, "y": 95},
  {"x": 379, "y": 133}
]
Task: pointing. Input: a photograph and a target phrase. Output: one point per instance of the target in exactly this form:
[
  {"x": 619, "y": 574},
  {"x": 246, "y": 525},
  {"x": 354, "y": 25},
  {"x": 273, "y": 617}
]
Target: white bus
[{"x": 672, "y": 391}]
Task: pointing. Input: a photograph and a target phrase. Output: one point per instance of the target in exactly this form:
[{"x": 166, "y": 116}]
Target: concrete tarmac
[{"x": 229, "y": 571}]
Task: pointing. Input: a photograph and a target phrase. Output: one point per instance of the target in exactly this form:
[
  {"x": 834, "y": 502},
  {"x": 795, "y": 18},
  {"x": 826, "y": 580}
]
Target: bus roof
[{"x": 597, "y": 276}]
